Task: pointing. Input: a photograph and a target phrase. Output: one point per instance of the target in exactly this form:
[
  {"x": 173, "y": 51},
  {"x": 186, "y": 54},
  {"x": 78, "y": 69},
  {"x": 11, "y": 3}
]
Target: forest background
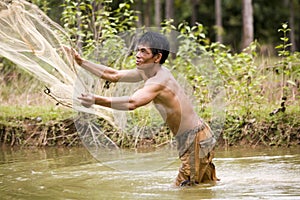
[{"x": 253, "y": 44}]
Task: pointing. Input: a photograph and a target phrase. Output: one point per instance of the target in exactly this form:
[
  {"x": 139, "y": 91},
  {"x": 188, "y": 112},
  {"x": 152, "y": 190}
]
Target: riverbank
[
  {"x": 55, "y": 126},
  {"x": 37, "y": 126}
]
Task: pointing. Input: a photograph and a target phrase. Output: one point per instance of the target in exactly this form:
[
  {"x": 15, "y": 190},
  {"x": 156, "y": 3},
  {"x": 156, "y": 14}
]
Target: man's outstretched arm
[
  {"x": 105, "y": 72},
  {"x": 140, "y": 98},
  {"x": 110, "y": 74}
]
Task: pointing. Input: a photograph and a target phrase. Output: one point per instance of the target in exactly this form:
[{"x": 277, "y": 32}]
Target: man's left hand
[{"x": 87, "y": 100}]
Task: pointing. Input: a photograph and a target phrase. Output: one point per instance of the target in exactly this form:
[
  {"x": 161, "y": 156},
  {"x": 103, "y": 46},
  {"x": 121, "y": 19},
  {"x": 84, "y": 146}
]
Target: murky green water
[{"x": 74, "y": 174}]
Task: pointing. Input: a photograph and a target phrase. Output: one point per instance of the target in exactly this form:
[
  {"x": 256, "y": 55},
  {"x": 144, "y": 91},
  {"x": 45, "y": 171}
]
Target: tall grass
[{"x": 20, "y": 88}]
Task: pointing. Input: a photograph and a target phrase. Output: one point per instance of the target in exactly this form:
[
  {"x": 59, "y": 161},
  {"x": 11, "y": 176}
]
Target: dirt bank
[{"x": 34, "y": 132}]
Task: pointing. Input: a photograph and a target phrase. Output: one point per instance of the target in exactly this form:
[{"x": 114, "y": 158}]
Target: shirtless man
[{"x": 161, "y": 88}]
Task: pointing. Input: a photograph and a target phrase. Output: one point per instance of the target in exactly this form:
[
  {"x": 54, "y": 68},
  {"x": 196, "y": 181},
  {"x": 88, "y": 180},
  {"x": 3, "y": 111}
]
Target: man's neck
[{"x": 150, "y": 72}]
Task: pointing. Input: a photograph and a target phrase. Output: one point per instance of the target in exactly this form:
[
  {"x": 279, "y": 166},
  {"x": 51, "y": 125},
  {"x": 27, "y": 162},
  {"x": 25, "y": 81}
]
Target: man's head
[{"x": 158, "y": 44}]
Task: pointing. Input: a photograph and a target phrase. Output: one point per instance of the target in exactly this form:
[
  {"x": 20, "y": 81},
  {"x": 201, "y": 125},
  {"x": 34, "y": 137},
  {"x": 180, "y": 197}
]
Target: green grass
[{"x": 46, "y": 113}]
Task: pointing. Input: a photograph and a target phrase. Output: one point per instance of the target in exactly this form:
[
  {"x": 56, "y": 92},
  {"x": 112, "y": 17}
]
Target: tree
[
  {"x": 292, "y": 5},
  {"x": 218, "y": 14},
  {"x": 195, "y": 10},
  {"x": 248, "y": 30},
  {"x": 267, "y": 15},
  {"x": 157, "y": 12},
  {"x": 169, "y": 9},
  {"x": 139, "y": 7},
  {"x": 147, "y": 15}
]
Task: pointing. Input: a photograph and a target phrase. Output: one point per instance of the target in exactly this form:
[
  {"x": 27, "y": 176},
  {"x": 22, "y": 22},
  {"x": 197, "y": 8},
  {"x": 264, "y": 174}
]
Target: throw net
[
  {"x": 35, "y": 43},
  {"x": 31, "y": 40}
]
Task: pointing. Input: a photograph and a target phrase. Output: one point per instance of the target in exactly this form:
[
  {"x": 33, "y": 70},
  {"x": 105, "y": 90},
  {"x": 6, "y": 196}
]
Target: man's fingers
[
  {"x": 86, "y": 98},
  {"x": 84, "y": 95},
  {"x": 86, "y": 101},
  {"x": 69, "y": 50}
]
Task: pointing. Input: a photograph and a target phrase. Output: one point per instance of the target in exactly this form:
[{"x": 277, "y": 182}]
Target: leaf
[
  {"x": 291, "y": 82},
  {"x": 287, "y": 45},
  {"x": 279, "y": 46},
  {"x": 284, "y": 25},
  {"x": 202, "y": 35},
  {"x": 122, "y": 5}
]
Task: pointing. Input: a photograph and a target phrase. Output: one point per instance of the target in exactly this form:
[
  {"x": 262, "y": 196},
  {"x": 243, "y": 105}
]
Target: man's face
[{"x": 144, "y": 56}]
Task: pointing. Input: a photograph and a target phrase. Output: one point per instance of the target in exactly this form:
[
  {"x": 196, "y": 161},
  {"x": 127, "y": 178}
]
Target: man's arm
[
  {"x": 110, "y": 74},
  {"x": 105, "y": 72},
  {"x": 140, "y": 98}
]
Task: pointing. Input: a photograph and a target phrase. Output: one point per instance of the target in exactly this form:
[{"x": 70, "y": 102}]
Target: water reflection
[{"x": 73, "y": 173}]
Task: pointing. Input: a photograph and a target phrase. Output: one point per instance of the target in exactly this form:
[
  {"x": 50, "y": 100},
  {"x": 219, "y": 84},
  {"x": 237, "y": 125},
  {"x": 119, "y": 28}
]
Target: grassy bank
[
  {"x": 37, "y": 126},
  {"x": 264, "y": 128},
  {"x": 54, "y": 126},
  {"x": 12, "y": 114}
]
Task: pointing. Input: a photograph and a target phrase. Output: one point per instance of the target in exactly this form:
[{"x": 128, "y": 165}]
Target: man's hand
[
  {"x": 87, "y": 100},
  {"x": 74, "y": 54}
]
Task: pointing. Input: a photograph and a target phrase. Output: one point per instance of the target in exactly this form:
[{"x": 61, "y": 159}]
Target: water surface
[{"x": 61, "y": 173}]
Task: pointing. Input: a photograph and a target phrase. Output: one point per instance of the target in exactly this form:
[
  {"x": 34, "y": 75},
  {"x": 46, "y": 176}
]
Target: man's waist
[{"x": 195, "y": 127}]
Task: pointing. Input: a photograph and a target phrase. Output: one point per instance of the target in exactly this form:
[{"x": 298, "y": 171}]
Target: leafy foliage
[
  {"x": 288, "y": 66},
  {"x": 91, "y": 22},
  {"x": 246, "y": 79}
]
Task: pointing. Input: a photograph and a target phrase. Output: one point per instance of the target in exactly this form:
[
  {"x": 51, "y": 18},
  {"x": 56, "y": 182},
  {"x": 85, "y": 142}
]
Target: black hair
[{"x": 157, "y": 42}]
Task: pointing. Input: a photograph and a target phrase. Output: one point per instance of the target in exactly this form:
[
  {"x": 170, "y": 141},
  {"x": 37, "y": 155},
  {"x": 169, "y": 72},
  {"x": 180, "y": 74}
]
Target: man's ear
[{"x": 158, "y": 57}]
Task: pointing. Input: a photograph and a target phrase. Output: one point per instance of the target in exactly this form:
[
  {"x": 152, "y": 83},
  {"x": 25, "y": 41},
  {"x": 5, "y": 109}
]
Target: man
[{"x": 194, "y": 137}]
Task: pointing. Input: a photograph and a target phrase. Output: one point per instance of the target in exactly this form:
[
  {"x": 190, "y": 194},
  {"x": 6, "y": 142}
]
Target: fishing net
[
  {"x": 32, "y": 41},
  {"x": 35, "y": 43}
]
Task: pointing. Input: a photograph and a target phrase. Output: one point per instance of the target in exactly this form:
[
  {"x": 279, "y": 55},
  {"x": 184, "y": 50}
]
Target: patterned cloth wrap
[{"x": 196, "y": 160}]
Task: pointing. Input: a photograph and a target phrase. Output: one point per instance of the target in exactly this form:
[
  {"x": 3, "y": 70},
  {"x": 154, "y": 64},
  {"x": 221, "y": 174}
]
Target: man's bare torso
[{"x": 173, "y": 104}]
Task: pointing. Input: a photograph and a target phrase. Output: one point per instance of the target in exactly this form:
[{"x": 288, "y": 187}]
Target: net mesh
[
  {"x": 29, "y": 38},
  {"x": 34, "y": 42}
]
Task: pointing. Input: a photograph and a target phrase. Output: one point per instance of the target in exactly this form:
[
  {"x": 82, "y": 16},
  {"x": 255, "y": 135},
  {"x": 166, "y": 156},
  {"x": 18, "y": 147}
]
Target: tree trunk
[
  {"x": 139, "y": 7},
  {"x": 147, "y": 15},
  {"x": 169, "y": 9},
  {"x": 79, "y": 37},
  {"x": 195, "y": 10},
  {"x": 157, "y": 13},
  {"x": 219, "y": 26},
  {"x": 96, "y": 29},
  {"x": 247, "y": 23},
  {"x": 292, "y": 4}
]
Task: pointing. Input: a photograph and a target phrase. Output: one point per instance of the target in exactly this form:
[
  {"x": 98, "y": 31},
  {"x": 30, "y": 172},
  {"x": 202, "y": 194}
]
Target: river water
[{"x": 72, "y": 173}]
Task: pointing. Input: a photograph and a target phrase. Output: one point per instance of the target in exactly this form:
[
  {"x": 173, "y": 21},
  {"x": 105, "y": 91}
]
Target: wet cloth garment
[{"x": 195, "y": 148}]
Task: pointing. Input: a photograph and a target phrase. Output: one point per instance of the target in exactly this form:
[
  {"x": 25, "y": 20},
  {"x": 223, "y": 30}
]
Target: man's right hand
[{"x": 74, "y": 54}]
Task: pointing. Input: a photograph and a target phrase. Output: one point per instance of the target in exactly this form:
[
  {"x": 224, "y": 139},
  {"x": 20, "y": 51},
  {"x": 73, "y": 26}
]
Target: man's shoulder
[{"x": 161, "y": 77}]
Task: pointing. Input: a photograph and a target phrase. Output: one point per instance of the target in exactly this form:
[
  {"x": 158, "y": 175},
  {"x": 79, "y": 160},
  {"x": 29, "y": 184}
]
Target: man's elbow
[
  {"x": 132, "y": 106},
  {"x": 112, "y": 76}
]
